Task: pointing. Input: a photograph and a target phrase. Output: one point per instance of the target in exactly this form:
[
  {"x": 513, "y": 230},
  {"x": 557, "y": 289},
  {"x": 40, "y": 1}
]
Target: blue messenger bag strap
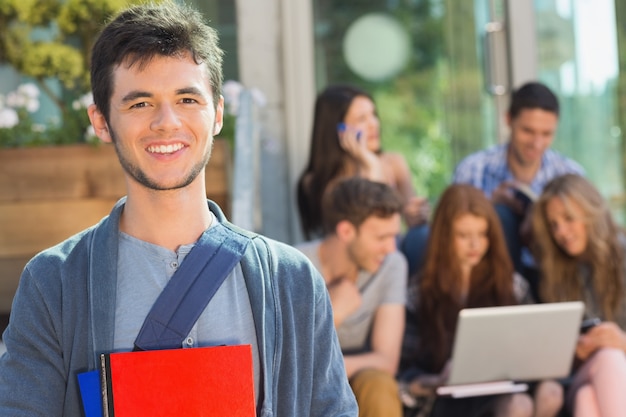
[{"x": 190, "y": 289}]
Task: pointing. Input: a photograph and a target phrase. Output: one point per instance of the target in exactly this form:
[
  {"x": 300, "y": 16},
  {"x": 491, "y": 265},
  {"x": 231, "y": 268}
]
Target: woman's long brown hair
[
  {"x": 560, "y": 272},
  {"x": 491, "y": 281}
]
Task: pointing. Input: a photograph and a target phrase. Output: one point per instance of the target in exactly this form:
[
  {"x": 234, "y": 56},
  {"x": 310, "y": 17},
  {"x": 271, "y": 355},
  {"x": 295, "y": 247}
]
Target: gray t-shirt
[
  {"x": 143, "y": 271},
  {"x": 386, "y": 286}
]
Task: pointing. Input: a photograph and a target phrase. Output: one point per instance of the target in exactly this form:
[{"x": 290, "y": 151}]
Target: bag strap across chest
[{"x": 190, "y": 289}]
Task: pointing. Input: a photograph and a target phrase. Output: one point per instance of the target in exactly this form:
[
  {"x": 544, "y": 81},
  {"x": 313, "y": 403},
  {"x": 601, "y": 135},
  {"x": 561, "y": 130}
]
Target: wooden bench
[{"x": 50, "y": 193}]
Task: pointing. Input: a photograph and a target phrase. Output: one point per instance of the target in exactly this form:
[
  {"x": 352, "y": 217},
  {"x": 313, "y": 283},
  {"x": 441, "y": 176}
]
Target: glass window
[
  {"x": 577, "y": 48},
  {"x": 222, "y": 16},
  {"x": 422, "y": 62}
]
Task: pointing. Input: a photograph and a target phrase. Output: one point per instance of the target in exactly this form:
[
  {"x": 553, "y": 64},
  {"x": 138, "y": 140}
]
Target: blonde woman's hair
[{"x": 561, "y": 278}]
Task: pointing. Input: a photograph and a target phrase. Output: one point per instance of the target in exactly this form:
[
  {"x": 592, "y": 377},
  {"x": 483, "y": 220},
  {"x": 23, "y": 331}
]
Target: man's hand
[
  {"x": 416, "y": 211},
  {"x": 504, "y": 195}
]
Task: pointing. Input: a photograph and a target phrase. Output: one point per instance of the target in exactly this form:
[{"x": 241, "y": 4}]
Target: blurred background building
[{"x": 440, "y": 70}]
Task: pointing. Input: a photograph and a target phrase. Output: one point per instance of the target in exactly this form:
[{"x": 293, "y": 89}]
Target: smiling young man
[
  {"x": 366, "y": 279},
  {"x": 156, "y": 77},
  {"x": 533, "y": 117},
  {"x": 526, "y": 161}
]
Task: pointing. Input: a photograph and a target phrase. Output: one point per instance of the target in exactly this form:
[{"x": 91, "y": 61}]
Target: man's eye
[
  {"x": 189, "y": 100},
  {"x": 139, "y": 105}
]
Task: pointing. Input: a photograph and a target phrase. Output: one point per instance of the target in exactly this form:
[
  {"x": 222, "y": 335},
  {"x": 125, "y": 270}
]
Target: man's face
[
  {"x": 371, "y": 242},
  {"x": 532, "y": 132},
  {"x": 162, "y": 121}
]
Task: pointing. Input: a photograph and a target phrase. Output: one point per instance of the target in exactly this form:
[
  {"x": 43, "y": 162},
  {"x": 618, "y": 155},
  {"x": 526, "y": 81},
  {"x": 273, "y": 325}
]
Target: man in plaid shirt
[{"x": 525, "y": 162}]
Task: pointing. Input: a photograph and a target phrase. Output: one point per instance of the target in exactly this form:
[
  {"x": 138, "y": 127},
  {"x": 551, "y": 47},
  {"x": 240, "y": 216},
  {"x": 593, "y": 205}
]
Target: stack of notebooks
[{"x": 209, "y": 381}]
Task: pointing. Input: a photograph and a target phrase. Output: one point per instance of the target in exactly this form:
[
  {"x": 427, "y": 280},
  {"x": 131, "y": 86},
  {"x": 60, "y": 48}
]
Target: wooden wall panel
[{"x": 49, "y": 194}]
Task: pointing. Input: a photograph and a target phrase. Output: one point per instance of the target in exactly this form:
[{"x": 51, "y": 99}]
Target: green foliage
[
  {"x": 18, "y": 128},
  {"x": 51, "y": 40},
  {"x": 228, "y": 129},
  {"x": 411, "y": 125},
  {"x": 411, "y": 104},
  {"x": 42, "y": 60}
]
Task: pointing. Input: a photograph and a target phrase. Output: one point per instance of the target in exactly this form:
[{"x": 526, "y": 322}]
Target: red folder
[{"x": 209, "y": 381}]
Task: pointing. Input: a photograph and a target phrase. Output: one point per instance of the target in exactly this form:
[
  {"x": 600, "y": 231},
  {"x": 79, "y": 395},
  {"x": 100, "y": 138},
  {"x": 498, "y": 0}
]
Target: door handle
[{"x": 494, "y": 52}]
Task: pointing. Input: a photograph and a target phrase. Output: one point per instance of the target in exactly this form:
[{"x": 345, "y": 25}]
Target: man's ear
[
  {"x": 219, "y": 117},
  {"x": 345, "y": 231},
  {"x": 100, "y": 125}
]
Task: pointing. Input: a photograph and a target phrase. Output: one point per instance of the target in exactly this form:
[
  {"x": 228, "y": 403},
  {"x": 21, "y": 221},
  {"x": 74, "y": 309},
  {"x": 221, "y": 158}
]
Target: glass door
[
  {"x": 437, "y": 70},
  {"x": 578, "y": 56}
]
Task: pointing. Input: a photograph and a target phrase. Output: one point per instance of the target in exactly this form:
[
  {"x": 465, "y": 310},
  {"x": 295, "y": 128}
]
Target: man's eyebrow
[
  {"x": 134, "y": 95},
  {"x": 189, "y": 90}
]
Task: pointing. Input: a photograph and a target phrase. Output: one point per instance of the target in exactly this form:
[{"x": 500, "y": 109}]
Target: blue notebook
[{"x": 89, "y": 383}]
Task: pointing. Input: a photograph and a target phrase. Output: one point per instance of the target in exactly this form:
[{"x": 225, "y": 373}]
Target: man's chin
[
  {"x": 372, "y": 267},
  {"x": 533, "y": 159}
]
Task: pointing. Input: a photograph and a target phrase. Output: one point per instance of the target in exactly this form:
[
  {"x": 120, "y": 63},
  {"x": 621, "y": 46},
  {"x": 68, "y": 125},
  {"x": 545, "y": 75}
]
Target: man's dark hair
[
  {"x": 355, "y": 199},
  {"x": 142, "y": 32},
  {"x": 533, "y": 95}
]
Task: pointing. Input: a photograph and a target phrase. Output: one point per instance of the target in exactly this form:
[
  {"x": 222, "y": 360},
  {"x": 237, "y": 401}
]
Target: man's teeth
[{"x": 165, "y": 148}]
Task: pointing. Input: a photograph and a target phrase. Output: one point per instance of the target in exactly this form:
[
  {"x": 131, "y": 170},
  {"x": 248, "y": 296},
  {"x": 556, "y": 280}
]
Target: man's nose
[
  {"x": 540, "y": 140},
  {"x": 166, "y": 118}
]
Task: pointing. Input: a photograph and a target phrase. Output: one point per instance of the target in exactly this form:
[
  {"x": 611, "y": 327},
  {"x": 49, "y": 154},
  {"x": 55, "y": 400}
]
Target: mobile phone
[
  {"x": 341, "y": 127},
  {"x": 587, "y": 324}
]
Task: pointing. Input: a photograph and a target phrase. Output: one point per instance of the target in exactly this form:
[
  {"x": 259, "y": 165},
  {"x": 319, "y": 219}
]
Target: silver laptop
[{"x": 501, "y": 346}]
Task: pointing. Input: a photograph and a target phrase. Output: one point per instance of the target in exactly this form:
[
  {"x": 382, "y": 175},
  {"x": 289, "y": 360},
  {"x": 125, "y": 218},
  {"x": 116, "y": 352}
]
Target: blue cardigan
[{"x": 63, "y": 316}]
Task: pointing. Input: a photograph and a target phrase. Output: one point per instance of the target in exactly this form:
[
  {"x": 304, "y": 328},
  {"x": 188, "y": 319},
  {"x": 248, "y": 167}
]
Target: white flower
[
  {"x": 86, "y": 100},
  {"x": 15, "y": 100},
  {"x": 83, "y": 102},
  {"x": 32, "y": 105},
  {"x": 26, "y": 96},
  {"x": 258, "y": 97},
  {"x": 231, "y": 91},
  {"x": 29, "y": 90},
  {"x": 39, "y": 128},
  {"x": 90, "y": 134},
  {"x": 8, "y": 118}
]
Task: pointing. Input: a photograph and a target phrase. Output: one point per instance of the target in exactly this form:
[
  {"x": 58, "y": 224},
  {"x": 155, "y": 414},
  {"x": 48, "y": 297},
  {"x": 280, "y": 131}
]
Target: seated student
[
  {"x": 581, "y": 255},
  {"x": 527, "y": 159},
  {"x": 466, "y": 265},
  {"x": 366, "y": 280},
  {"x": 346, "y": 141}
]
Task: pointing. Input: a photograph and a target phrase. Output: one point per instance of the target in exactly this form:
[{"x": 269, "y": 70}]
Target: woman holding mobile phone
[
  {"x": 581, "y": 255},
  {"x": 345, "y": 142}
]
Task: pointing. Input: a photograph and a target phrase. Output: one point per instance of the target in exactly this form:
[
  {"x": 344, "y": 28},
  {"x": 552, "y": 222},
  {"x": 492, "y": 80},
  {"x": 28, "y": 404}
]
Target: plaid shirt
[{"x": 488, "y": 168}]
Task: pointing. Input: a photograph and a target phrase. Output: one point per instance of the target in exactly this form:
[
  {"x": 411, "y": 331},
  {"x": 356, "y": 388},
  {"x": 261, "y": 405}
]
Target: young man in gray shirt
[
  {"x": 156, "y": 76},
  {"x": 366, "y": 279}
]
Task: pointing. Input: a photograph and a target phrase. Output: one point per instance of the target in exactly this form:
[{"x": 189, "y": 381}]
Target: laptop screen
[{"x": 518, "y": 343}]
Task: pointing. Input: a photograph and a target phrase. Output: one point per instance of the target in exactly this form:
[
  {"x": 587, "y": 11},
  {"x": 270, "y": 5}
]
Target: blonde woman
[{"x": 581, "y": 254}]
